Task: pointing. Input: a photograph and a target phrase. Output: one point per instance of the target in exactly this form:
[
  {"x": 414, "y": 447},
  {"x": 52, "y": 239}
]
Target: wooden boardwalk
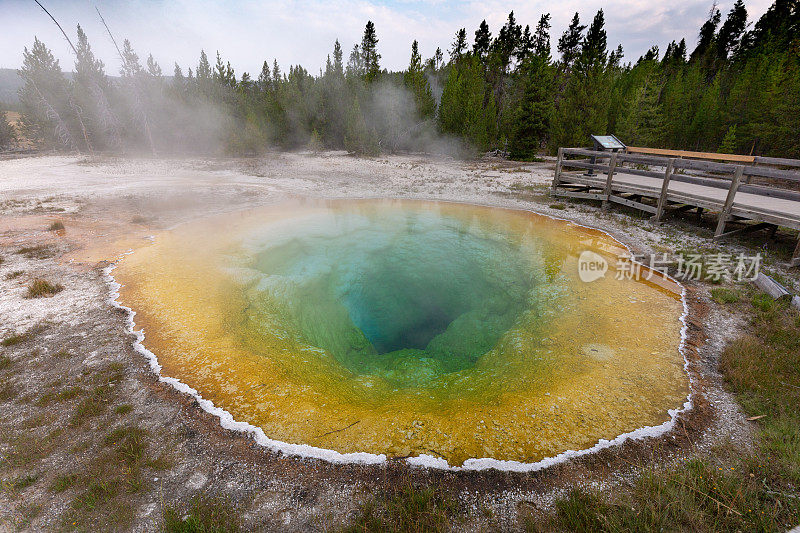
[{"x": 748, "y": 189}]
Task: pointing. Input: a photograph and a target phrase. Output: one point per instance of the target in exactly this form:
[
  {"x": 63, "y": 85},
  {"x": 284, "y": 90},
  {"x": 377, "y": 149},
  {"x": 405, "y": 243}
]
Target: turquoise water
[{"x": 402, "y": 294}]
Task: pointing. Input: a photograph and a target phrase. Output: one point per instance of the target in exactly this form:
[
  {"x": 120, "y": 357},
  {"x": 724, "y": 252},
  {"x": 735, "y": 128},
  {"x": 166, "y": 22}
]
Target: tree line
[{"x": 736, "y": 90}]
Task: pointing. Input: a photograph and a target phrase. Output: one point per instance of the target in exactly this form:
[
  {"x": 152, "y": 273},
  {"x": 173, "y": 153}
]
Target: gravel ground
[{"x": 73, "y": 383}]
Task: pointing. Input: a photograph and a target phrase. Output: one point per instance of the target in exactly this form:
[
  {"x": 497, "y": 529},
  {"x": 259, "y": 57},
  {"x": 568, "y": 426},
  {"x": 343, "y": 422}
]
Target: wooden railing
[{"x": 731, "y": 173}]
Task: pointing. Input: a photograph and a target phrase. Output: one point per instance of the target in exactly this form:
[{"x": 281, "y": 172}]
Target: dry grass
[
  {"x": 7, "y": 389},
  {"x": 40, "y": 251},
  {"x": 56, "y": 226},
  {"x": 15, "y": 339},
  {"x": 40, "y": 288}
]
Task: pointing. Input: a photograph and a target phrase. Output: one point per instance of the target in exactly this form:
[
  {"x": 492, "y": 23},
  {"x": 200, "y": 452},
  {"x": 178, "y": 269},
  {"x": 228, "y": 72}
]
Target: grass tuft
[
  {"x": 19, "y": 484},
  {"x": 407, "y": 509},
  {"x": 40, "y": 251},
  {"x": 63, "y": 482},
  {"x": 205, "y": 515},
  {"x": 61, "y": 396},
  {"x": 130, "y": 443},
  {"x": 7, "y": 389},
  {"x": 15, "y": 274},
  {"x": 15, "y": 339},
  {"x": 40, "y": 288},
  {"x": 723, "y": 295},
  {"x": 56, "y": 226},
  {"x": 123, "y": 409},
  {"x": 93, "y": 405},
  {"x": 5, "y": 362}
]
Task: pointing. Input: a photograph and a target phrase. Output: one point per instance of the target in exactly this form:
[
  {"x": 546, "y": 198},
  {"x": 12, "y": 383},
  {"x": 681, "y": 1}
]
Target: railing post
[
  {"x": 795, "y": 261},
  {"x": 557, "y": 176},
  {"x": 612, "y": 166},
  {"x": 662, "y": 199},
  {"x": 726, "y": 210}
]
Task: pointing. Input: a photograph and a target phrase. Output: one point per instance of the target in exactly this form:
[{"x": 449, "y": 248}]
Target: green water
[{"x": 403, "y": 294}]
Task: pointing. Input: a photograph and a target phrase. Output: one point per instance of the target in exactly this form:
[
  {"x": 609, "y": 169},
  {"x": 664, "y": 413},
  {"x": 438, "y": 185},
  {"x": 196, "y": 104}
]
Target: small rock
[{"x": 196, "y": 481}]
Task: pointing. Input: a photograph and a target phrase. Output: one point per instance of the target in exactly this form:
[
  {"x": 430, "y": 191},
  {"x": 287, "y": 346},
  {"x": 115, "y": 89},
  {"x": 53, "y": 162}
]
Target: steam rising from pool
[{"x": 409, "y": 328}]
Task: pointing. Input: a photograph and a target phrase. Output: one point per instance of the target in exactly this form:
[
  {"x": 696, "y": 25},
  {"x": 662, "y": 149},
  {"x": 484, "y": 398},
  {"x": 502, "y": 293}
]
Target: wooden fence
[{"x": 765, "y": 190}]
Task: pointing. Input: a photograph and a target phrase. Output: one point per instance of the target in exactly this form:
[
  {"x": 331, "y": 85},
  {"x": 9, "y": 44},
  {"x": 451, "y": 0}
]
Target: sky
[{"x": 246, "y": 32}]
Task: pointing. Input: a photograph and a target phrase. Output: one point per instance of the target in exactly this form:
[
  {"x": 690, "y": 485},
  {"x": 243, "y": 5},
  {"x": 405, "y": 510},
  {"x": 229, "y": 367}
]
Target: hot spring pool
[{"x": 409, "y": 329}]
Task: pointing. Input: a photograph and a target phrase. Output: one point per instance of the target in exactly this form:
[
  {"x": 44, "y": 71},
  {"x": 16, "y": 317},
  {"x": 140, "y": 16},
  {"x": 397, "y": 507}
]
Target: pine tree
[
  {"x": 87, "y": 66},
  {"x": 569, "y": 44},
  {"x": 459, "y": 45},
  {"x": 594, "y": 51},
  {"x": 706, "y": 127},
  {"x": 219, "y": 70},
  {"x": 435, "y": 62},
  {"x": 355, "y": 64},
  {"x": 357, "y": 137},
  {"x": 507, "y": 44},
  {"x": 338, "y": 65},
  {"x": 483, "y": 40},
  {"x": 138, "y": 99},
  {"x": 44, "y": 99},
  {"x": 179, "y": 83},
  {"x": 276, "y": 74},
  {"x": 780, "y": 25},
  {"x": 641, "y": 120},
  {"x": 417, "y": 83},
  {"x": 91, "y": 90},
  {"x": 584, "y": 106},
  {"x": 730, "y": 33},
  {"x": 153, "y": 68},
  {"x": 707, "y": 32},
  {"x": 8, "y": 135},
  {"x": 728, "y": 145},
  {"x": 541, "y": 37},
  {"x": 264, "y": 81},
  {"x": 130, "y": 61},
  {"x": 369, "y": 52},
  {"x": 532, "y": 117},
  {"x": 615, "y": 57},
  {"x": 465, "y": 110},
  {"x": 525, "y": 46},
  {"x": 203, "y": 71}
]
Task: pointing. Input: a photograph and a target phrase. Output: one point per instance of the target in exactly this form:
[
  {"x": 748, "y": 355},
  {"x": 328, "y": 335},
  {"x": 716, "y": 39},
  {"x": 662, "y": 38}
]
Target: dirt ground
[{"x": 90, "y": 438}]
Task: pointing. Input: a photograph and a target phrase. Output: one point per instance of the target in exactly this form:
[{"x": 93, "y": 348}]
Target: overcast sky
[{"x": 302, "y": 32}]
